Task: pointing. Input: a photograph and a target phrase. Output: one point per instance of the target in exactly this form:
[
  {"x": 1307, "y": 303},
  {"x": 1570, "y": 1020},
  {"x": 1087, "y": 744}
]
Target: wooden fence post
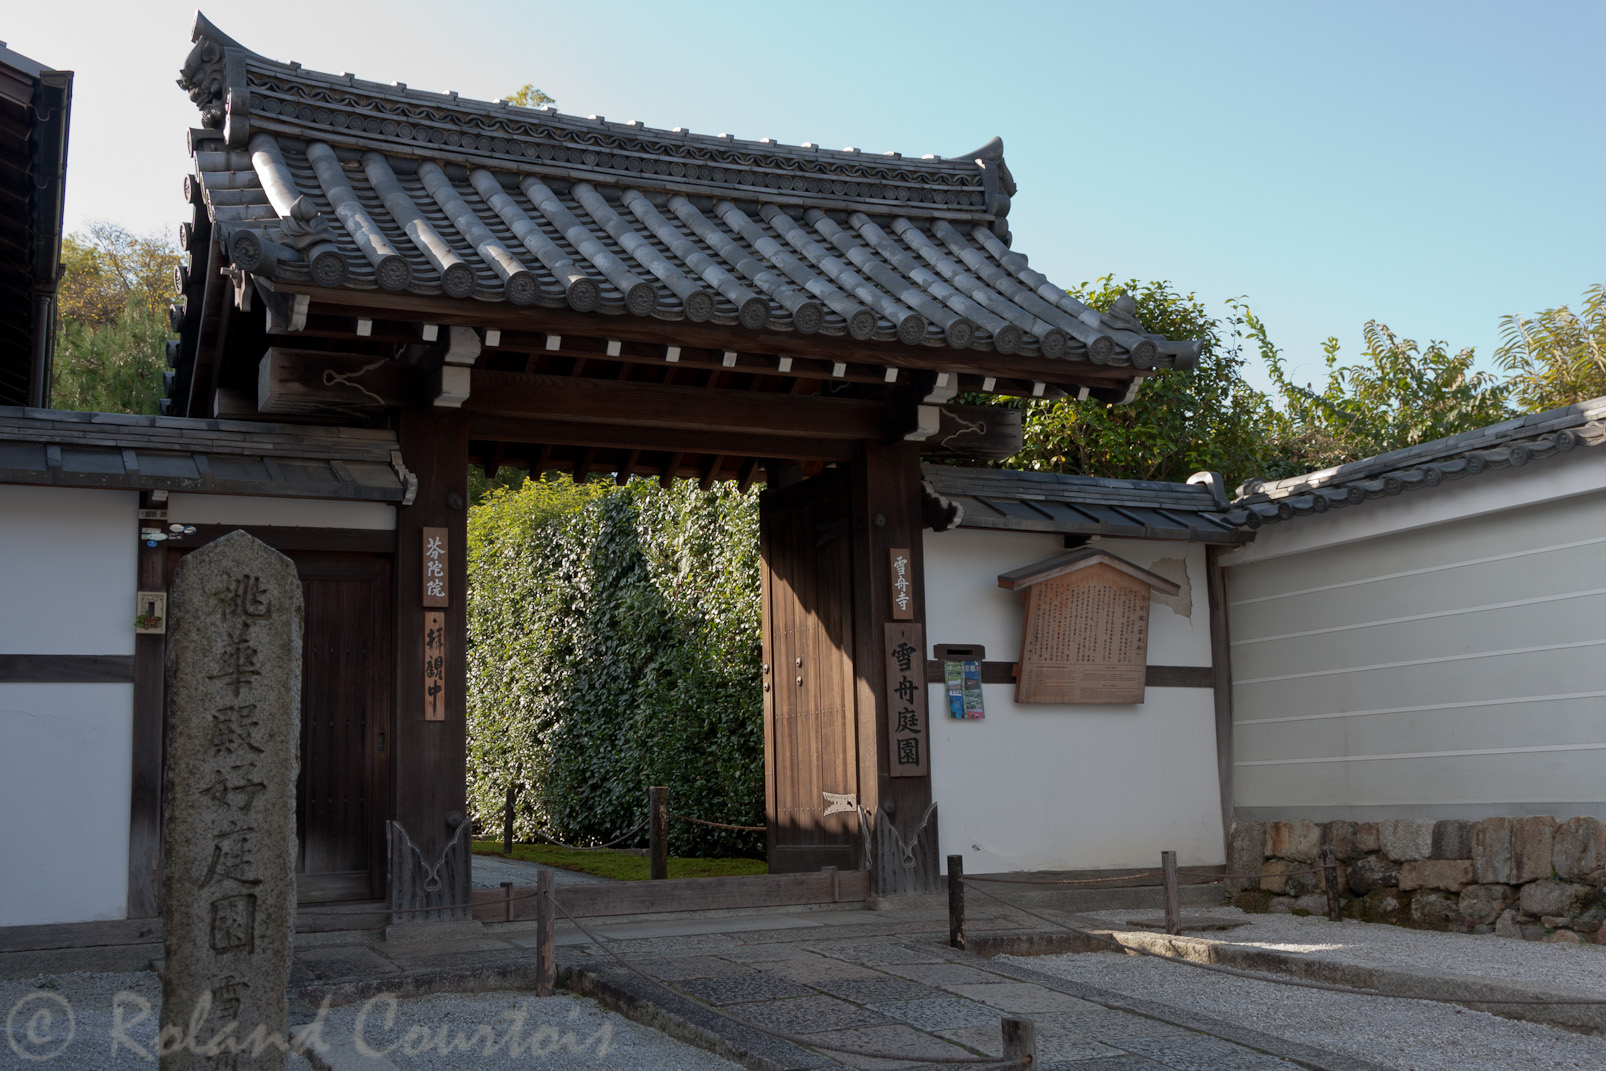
[
  {"x": 507, "y": 901},
  {"x": 1173, "y": 896},
  {"x": 1330, "y": 879},
  {"x": 546, "y": 972},
  {"x": 507, "y": 822},
  {"x": 956, "y": 901},
  {"x": 1020, "y": 1040},
  {"x": 658, "y": 831}
]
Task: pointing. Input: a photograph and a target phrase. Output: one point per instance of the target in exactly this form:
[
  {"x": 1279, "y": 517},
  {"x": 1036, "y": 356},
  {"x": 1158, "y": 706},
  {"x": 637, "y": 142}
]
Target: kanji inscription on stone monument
[
  {"x": 435, "y": 583},
  {"x": 228, "y": 826},
  {"x": 908, "y": 740}
]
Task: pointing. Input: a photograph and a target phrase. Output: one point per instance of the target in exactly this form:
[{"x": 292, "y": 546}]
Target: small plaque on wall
[
  {"x": 435, "y": 575},
  {"x": 908, "y": 740},
  {"x": 1085, "y": 633},
  {"x": 900, "y": 575}
]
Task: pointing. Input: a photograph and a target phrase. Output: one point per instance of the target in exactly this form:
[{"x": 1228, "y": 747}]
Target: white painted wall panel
[
  {"x": 1041, "y": 787},
  {"x": 68, "y": 559},
  {"x": 64, "y": 792},
  {"x": 1432, "y": 670}
]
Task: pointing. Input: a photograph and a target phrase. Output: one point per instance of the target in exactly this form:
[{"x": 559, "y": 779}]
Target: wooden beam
[
  {"x": 735, "y": 444},
  {"x": 66, "y": 669},
  {"x": 990, "y": 432},
  {"x": 666, "y": 476},
  {"x": 748, "y": 471},
  {"x": 1221, "y": 665},
  {"x": 510, "y": 318},
  {"x": 710, "y": 470},
  {"x": 582, "y": 467},
  {"x": 622, "y": 477},
  {"x": 296, "y": 382},
  {"x": 510, "y": 394}
]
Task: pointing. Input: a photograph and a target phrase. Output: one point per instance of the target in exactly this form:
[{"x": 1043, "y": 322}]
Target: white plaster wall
[
  {"x": 64, "y": 788},
  {"x": 1047, "y": 787},
  {"x": 67, "y": 570},
  {"x": 294, "y": 512},
  {"x": 1451, "y": 670}
]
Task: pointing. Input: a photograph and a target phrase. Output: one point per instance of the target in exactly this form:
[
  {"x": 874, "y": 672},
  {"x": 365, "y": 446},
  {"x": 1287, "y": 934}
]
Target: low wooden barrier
[{"x": 594, "y": 899}]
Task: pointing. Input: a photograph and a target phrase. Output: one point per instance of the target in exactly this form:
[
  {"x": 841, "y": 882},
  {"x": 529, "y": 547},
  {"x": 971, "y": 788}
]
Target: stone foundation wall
[{"x": 1533, "y": 878}]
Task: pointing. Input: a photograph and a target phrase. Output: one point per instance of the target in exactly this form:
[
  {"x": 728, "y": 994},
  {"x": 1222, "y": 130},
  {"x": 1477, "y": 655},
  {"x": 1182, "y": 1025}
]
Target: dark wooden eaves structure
[
  {"x": 146, "y": 453},
  {"x": 1011, "y": 500},
  {"x": 35, "y": 102},
  {"x": 600, "y": 296},
  {"x": 1509, "y": 444}
]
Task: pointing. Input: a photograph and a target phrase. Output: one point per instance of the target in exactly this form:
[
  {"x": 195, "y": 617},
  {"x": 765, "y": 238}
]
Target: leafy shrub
[{"x": 614, "y": 644}]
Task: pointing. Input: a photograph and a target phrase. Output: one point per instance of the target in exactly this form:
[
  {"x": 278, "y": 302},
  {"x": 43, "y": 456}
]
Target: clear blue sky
[{"x": 1430, "y": 165}]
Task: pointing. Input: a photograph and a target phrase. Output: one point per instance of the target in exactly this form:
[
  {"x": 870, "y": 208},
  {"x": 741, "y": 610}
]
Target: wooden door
[
  {"x": 811, "y": 742},
  {"x": 342, "y": 795}
]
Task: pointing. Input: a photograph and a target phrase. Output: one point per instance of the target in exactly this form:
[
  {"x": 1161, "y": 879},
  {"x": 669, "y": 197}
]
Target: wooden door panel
[{"x": 810, "y": 724}]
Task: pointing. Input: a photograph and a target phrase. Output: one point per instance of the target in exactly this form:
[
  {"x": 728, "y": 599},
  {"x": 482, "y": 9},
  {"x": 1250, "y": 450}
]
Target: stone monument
[{"x": 229, "y": 818}]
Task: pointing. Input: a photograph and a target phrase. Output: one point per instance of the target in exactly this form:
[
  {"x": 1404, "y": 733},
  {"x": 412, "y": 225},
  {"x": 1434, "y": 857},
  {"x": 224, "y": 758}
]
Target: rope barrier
[
  {"x": 795, "y": 1039},
  {"x": 593, "y": 847},
  {"x": 1076, "y": 881},
  {"x": 1253, "y": 976},
  {"x": 716, "y": 825}
]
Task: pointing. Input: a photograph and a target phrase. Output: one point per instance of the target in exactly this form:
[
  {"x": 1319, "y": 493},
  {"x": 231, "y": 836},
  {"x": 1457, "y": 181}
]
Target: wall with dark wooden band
[
  {"x": 1072, "y": 786},
  {"x": 67, "y": 654}
]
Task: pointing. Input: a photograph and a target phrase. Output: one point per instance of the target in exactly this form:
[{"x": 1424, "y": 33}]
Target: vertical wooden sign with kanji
[
  {"x": 908, "y": 740},
  {"x": 436, "y": 594},
  {"x": 434, "y": 666},
  {"x": 435, "y": 577},
  {"x": 900, "y": 577}
]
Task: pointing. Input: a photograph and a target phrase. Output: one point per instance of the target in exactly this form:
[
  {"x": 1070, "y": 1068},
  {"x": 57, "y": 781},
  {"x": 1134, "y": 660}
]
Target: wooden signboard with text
[
  {"x": 1085, "y": 633},
  {"x": 908, "y": 741}
]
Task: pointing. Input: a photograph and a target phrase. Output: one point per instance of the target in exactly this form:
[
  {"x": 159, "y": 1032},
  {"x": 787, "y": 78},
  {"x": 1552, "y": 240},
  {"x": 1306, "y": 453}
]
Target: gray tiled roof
[
  {"x": 115, "y": 450},
  {"x": 346, "y": 183},
  {"x": 1084, "y": 505},
  {"x": 1510, "y": 444}
]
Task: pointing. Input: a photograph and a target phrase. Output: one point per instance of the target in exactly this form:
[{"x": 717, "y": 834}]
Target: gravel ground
[
  {"x": 1580, "y": 967},
  {"x": 447, "y": 1032},
  {"x": 1408, "y": 1035}
]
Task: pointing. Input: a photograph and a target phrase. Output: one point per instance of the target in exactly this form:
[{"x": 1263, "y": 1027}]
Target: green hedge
[{"x": 614, "y": 644}]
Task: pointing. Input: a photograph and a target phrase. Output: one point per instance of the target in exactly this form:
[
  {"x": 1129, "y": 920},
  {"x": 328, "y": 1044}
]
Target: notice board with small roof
[{"x": 1085, "y": 629}]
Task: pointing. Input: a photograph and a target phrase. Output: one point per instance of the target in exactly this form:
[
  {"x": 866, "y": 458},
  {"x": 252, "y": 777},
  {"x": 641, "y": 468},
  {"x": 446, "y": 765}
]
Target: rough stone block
[
  {"x": 1274, "y": 876},
  {"x": 1386, "y": 905},
  {"x": 1579, "y": 852},
  {"x": 1298, "y": 840},
  {"x": 1402, "y": 839},
  {"x": 1246, "y": 851},
  {"x": 1311, "y": 904},
  {"x": 1491, "y": 850},
  {"x": 1562, "y": 898},
  {"x": 1451, "y": 875},
  {"x": 1340, "y": 836},
  {"x": 1532, "y": 848},
  {"x": 1366, "y": 838},
  {"x": 1373, "y": 872},
  {"x": 1435, "y": 911},
  {"x": 1564, "y": 937},
  {"x": 1281, "y": 905},
  {"x": 1482, "y": 904},
  {"x": 1452, "y": 839},
  {"x": 1507, "y": 925},
  {"x": 1252, "y": 901}
]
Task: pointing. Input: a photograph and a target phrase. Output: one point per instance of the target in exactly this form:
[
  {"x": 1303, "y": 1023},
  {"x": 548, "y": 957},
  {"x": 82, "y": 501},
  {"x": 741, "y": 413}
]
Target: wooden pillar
[
  {"x": 885, "y": 514},
  {"x": 1221, "y": 674},
  {"x": 430, "y": 760},
  {"x": 145, "y": 796}
]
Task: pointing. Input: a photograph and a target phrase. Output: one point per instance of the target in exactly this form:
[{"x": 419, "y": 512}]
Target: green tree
[
  {"x": 111, "y": 320},
  {"x": 1181, "y": 422},
  {"x": 1400, "y": 394},
  {"x": 1557, "y": 356},
  {"x": 527, "y": 96}
]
